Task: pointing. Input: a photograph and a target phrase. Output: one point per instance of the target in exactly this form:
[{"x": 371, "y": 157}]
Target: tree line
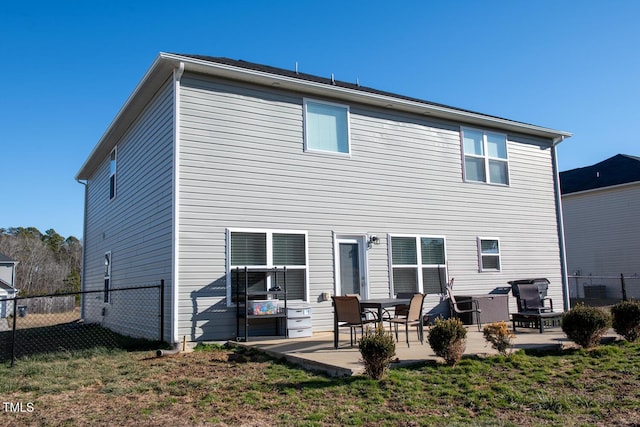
[{"x": 47, "y": 263}]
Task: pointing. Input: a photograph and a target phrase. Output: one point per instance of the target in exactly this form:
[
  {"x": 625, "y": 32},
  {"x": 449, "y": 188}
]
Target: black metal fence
[
  {"x": 603, "y": 290},
  {"x": 71, "y": 322}
]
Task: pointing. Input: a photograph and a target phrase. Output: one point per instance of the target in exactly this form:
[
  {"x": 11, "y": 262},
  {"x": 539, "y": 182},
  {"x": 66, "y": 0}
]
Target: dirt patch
[{"x": 32, "y": 320}]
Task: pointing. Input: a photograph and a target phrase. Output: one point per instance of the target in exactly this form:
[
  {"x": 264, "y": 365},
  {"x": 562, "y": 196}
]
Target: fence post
[
  {"x": 161, "y": 310},
  {"x": 624, "y": 288},
  {"x": 13, "y": 333}
]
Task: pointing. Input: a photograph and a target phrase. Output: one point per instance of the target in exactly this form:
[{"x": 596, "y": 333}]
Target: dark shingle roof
[
  {"x": 328, "y": 81},
  {"x": 4, "y": 258},
  {"x": 619, "y": 169}
]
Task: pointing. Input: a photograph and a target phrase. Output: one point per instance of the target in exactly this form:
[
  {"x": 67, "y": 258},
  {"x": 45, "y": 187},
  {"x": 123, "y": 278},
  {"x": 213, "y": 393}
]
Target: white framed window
[
  {"x": 265, "y": 250},
  {"x": 485, "y": 156},
  {"x": 489, "y": 254},
  {"x": 418, "y": 263},
  {"x": 113, "y": 159},
  {"x": 326, "y": 127},
  {"x": 107, "y": 277}
]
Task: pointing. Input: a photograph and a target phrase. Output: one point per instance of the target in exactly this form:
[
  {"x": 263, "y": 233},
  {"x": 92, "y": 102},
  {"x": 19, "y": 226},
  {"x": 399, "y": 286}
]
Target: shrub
[
  {"x": 448, "y": 339},
  {"x": 585, "y": 325},
  {"x": 378, "y": 349},
  {"x": 499, "y": 336},
  {"x": 626, "y": 319}
]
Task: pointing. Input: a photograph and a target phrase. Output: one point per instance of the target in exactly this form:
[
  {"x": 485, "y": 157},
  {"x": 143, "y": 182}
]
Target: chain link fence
[
  {"x": 603, "y": 290},
  {"x": 70, "y": 322}
]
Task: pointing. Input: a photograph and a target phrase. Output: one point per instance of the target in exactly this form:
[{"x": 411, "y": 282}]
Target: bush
[
  {"x": 626, "y": 319},
  {"x": 499, "y": 336},
  {"x": 378, "y": 349},
  {"x": 585, "y": 325},
  {"x": 448, "y": 339}
]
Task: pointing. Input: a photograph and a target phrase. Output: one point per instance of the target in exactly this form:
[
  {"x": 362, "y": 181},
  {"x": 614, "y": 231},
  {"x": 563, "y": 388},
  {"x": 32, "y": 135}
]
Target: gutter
[
  {"x": 607, "y": 188},
  {"x": 560, "y": 219}
]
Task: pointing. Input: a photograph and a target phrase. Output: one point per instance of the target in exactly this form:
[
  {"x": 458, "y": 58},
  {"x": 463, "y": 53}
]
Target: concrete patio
[{"x": 318, "y": 354}]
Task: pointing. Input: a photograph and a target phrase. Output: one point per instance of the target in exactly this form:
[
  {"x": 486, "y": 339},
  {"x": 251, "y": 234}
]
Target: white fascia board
[{"x": 601, "y": 189}]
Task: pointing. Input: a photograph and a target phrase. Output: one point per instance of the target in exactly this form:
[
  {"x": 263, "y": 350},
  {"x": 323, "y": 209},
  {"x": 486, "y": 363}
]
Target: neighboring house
[
  {"x": 214, "y": 164},
  {"x": 601, "y": 206},
  {"x": 7, "y": 284}
]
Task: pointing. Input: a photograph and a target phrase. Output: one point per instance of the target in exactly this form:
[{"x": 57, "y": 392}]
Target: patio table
[
  {"x": 536, "y": 320},
  {"x": 380, "y": 304}
]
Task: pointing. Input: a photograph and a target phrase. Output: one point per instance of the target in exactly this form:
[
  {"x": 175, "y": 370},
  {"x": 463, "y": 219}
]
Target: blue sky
[{"x": 67, "y": 67}]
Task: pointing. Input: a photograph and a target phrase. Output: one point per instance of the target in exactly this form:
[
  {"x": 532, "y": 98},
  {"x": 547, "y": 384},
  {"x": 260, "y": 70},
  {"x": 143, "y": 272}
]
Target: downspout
[
  {"x": 560, "y": 219},
  {"x": 84, "y": 234},
  {"x": 13, "y": 279},
  {"x": 177, "y": 75}
]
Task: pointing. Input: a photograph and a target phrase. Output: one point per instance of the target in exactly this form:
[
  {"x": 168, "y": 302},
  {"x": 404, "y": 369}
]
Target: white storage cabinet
[{"x": 299, "y": 321}]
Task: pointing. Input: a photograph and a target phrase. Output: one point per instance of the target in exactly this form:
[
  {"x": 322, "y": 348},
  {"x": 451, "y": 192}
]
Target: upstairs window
[
  {"x": 418, "y": 264},
  {"x": 489, "y": 254},
  {"x": 326, "y": 127},
  {"x": 112, "y": 173},
  {"x": 485, "y": 156}
]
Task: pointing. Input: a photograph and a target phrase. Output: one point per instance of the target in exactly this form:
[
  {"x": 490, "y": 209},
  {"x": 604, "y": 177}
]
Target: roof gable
[{"x": 617, "y": 170}]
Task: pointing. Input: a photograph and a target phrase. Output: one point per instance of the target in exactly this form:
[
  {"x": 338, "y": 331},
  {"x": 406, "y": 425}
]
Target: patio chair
[
  {"x": 348, "y": 314},
  {"x": 412, "y": 317},
  {"x": 531, "y": 309},
  {"x": 402, "y": 309},
  {"x": 366, "y": 313},
  {"x": 457, "y": 310},
  {"x": 529, "y": 300}
]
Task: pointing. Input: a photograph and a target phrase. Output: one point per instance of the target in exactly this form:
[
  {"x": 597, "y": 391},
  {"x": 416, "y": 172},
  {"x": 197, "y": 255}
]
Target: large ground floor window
[
  {"x": 418, "y": 264},
  {"x": 267, "y": 250}
]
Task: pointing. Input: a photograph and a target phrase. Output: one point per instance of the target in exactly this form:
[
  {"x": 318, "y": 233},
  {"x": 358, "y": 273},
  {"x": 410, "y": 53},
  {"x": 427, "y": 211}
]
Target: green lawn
[{"x": 219, "y": 386}]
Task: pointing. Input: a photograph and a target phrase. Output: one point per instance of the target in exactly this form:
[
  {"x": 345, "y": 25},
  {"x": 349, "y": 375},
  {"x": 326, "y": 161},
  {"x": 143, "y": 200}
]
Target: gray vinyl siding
[
  {"x": 6, "y": 273},
  {"x": 602, "y": 231},
  {"x": 242, "y": 165},
  {"x": 135, "y": 226}
]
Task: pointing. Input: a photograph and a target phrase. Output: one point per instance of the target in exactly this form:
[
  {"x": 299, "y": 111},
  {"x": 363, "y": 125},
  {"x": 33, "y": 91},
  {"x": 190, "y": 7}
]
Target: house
[
  {"x": 7, "y": 284},
  {"x": 600, "y": 208},
  {"x": 214, "y": 164}
]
